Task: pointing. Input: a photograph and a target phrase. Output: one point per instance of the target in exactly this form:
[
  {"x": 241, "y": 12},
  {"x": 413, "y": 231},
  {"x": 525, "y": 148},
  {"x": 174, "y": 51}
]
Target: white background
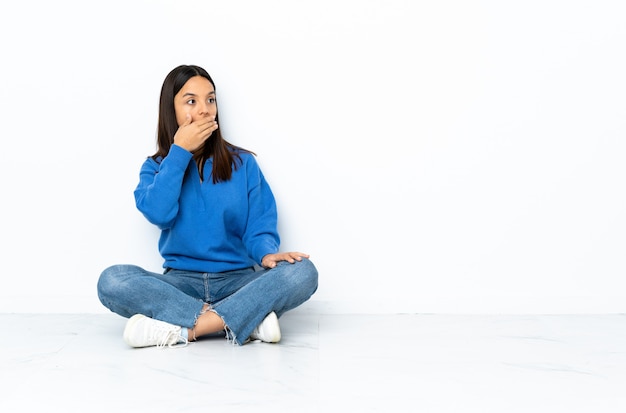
[{"x": 431, "y": 156}]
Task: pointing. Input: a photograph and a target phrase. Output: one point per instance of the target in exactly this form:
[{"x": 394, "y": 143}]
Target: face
[{"x": 197, "y": 98}]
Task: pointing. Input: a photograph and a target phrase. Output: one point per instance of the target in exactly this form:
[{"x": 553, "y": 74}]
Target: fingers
[
  {"x": 268, "y": 261},
  {"x": 202, "y": 126},
  {"x": 271, "y": 260},
  {"x": 206, "y": 127},
  {"x": 192, "y": 134},
  {"x": 299, "y": 255},
  {"x": 207, "y": 123},
  {"x": 292, "y": 257}
]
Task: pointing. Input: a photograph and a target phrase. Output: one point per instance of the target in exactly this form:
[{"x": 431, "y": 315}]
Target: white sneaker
[
  {"x": 268, "y": 331},
  {"x": 142, "y": 331}
]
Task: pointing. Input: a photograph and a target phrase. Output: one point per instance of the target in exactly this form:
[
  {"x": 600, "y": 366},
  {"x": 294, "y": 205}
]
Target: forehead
[{"x": 198, "y": 86}]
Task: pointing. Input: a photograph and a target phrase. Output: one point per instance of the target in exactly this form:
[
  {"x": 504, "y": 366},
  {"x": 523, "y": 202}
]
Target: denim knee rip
[{"x": 230, "y": 334}]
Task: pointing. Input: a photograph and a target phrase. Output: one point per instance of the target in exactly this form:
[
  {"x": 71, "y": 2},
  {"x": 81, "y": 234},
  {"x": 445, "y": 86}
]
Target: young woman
[{"x": 222, "y": 267}]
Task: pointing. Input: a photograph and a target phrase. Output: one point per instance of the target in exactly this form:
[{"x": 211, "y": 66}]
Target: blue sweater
[{"x": 208, "y": 227}]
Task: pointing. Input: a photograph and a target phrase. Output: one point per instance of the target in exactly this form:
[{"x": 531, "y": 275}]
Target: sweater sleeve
[
  {"x": 158, "y": 192},
  {"x": 261, "y": 236}
]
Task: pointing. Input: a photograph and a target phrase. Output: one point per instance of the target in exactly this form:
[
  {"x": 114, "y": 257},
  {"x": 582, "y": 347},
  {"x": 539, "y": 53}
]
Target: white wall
[{"x": 431, "y": 156}]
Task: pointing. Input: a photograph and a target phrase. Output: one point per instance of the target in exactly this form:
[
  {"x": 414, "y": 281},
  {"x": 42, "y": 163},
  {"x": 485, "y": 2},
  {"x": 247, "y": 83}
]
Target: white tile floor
[{"x": 325, "y": 363}]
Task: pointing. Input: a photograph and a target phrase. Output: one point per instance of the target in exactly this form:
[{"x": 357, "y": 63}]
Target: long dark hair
[{"x": 225, "y": 155}]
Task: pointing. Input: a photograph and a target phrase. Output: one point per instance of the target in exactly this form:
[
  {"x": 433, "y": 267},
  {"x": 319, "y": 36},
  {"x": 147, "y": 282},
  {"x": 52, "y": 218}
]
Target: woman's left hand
[{"x": 270, "y": 260}]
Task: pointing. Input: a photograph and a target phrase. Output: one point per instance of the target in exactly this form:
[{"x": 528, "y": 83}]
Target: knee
[
  {"x": 307, "y": 275},
  {"x": 107, "y": 281},
  {"x": 111, "y": 279}
]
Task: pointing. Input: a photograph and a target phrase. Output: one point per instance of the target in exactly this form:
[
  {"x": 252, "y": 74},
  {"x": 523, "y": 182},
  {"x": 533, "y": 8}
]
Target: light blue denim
[{"x": 242, "y": 298}]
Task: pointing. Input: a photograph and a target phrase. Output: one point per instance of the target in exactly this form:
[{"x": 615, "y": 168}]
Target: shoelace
[{"x": 166, "y": 338}]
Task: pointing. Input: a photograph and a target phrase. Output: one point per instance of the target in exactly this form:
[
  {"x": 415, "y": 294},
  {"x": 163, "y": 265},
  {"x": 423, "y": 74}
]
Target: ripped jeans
[{"x": 242, "y": 297}]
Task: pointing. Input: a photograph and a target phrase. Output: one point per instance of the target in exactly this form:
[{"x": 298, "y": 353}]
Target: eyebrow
[{"x": 193, "y": 94}]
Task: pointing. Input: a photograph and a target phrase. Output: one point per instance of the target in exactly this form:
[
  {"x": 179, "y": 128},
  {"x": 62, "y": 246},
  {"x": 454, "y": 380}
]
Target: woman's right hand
[{"x": 191, "y": 135}]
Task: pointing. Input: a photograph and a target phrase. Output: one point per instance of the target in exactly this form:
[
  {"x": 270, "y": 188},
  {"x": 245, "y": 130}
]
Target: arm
[
  {"x": 159, "y": 188},
  {"x": 160, "y": 184},
  {"x": 261, "y": 235}
]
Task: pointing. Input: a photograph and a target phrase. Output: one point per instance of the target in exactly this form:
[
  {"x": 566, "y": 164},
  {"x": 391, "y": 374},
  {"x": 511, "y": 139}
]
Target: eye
[
  {"x": 191, "y": 101},
  {"x": 211, "y": 100}
]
